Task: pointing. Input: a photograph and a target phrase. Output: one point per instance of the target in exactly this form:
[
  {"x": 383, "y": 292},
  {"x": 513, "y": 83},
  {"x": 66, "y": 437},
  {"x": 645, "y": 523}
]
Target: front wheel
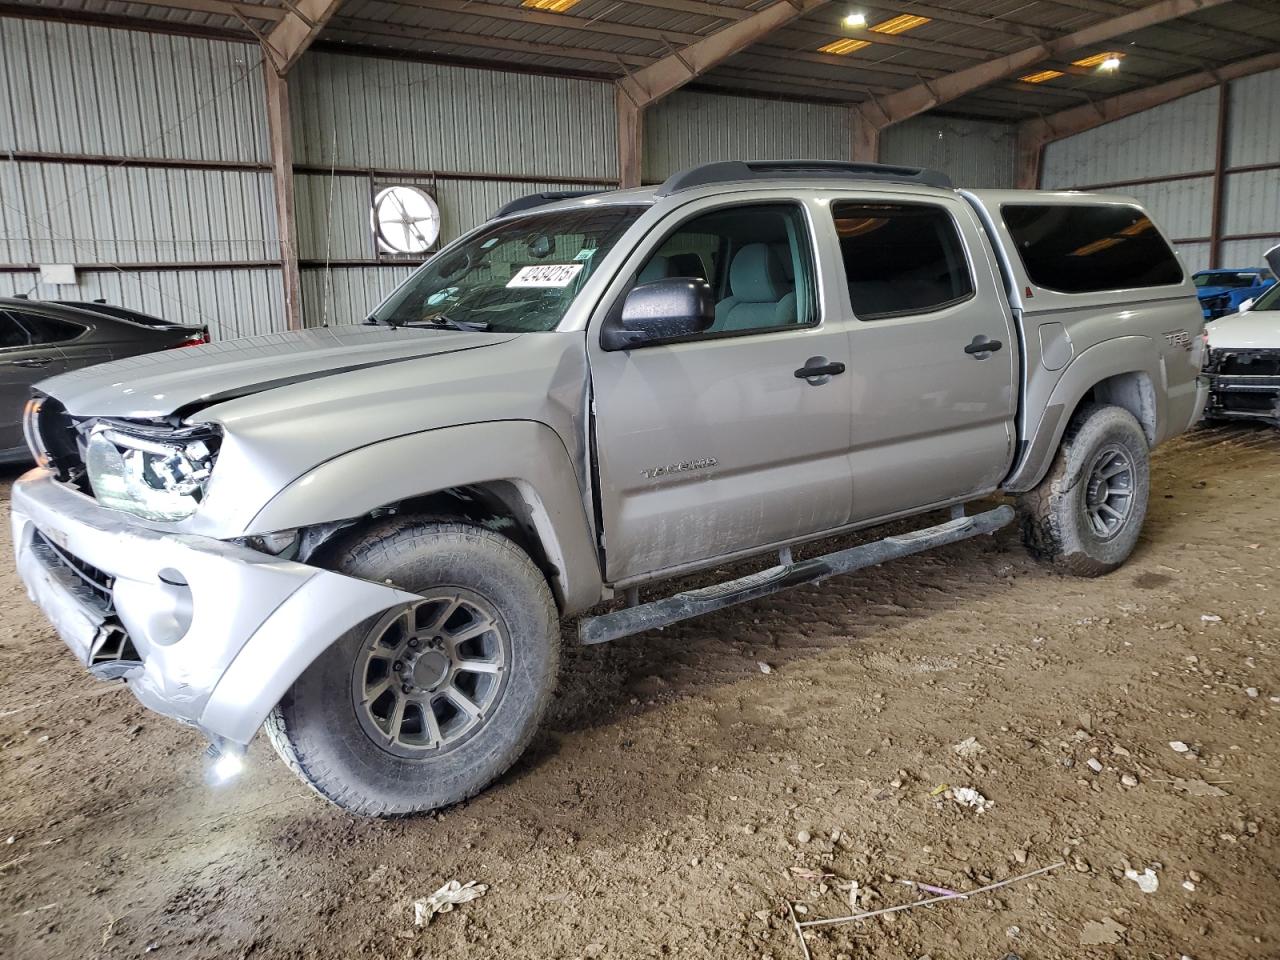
[
  {"x": 427, "y": 704},
  {"x": 1087, "y": 513}
]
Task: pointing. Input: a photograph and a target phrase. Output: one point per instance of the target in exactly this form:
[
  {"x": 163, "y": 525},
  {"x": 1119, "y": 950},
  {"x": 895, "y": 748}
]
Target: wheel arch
[
  {"x": 513, "y": 476},
  {"x": 1124, "y": 372}
]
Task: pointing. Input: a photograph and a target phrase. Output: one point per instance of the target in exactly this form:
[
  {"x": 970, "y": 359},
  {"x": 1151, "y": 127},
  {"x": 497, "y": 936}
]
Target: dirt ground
[{"x": 681, "y": 794}]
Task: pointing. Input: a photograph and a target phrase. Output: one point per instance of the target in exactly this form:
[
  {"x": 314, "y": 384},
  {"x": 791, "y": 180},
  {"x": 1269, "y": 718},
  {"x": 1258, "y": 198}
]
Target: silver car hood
[
  {"x": 187, "y": 379},
  {"x": 1251, "y": 330}
]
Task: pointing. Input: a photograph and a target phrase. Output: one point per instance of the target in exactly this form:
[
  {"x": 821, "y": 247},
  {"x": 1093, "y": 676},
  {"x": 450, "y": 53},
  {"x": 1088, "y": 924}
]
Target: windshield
[
  {"x": 516, "y": 276},
  {"x": 1225, "y": 279},
  {"x": 1269, "y": 300}
]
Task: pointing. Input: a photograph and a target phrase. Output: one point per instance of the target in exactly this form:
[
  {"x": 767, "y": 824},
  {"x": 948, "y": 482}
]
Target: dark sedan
[{"x": 40, "y": 339}]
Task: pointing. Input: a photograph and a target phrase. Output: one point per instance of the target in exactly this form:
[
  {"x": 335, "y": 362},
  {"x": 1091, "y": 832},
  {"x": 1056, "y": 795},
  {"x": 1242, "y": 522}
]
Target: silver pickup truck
[{"x": 364, "y": 538}]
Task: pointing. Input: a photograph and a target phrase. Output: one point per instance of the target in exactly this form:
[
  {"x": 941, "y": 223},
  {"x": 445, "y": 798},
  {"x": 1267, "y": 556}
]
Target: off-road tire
[
  {"x": 315, "y": 728},
  {"x": 1054, "y": 517}
]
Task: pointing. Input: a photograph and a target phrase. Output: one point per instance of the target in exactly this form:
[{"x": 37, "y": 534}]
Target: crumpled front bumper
[{"x": 205, "y": 631}]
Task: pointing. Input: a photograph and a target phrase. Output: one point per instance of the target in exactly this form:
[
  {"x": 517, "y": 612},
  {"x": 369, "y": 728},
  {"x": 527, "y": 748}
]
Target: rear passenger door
[{"x": 934, "y": 353}]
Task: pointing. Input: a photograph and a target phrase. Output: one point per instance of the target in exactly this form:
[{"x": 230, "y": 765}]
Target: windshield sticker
[
  {"x": 586, "y": 253},
  {"x": 545, "y": 275}
]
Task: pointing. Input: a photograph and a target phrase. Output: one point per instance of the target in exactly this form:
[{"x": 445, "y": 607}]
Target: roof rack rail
[
  {"x": 531, "y": 200},
  {"x": 734, "y": 171}
]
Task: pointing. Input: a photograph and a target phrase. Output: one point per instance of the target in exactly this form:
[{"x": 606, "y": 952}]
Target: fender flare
[
  {"x": 526, "y": 454},
  {"x": 1110, "y": 358}
]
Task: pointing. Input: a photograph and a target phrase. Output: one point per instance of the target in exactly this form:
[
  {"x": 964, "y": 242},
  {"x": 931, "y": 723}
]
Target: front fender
[
  {"x": 1110, "y": 358},
  {"x": 527, "y": 454}
]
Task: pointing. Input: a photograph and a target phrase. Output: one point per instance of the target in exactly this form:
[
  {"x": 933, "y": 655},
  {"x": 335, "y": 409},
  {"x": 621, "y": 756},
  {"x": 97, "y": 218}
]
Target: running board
[{"x": 694, "y": 603}]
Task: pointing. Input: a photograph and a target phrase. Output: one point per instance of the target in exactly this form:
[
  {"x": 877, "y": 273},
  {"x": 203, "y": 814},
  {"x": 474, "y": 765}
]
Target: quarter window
[
  {"x": 900, "y": 258},
  {"x": 757, "y": 260},
  {"x": 1087, "y": 248}
]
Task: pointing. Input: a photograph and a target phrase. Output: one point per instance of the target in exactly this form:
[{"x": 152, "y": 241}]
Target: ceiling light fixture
[
  {"x": 555, "y": 6},
  {"x": 856, "y": 21},
  {"x": 842, "y": 47},
  {"x": 900, "y": 24},
  {"x": 1041, "y": 77},
  {"x": 1109, "y": 60}
]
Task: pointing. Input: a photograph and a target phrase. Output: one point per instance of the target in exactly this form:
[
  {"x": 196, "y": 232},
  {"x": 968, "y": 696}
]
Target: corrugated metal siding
[
  {"x": 390, "y": 114},
  {"x": 972, "y": 153},
  {"x": 1254, "y": 134},
  {"x": 1176, "y": 137},
  {"x": 233, "y": 303},
  {"x": 1194, "y": 256},
  {"x": 1251, "y": 201},
  {"x": 691, "y": 128},
  {"x": 79, "y": 213},
  {"x": 1181, "y": 207},
  {"x": 106, "y": 93},
  {"x": 70, "y": 88},
  {"x": 1248, "y": 253},
  {"x": 347, "y": 294}
]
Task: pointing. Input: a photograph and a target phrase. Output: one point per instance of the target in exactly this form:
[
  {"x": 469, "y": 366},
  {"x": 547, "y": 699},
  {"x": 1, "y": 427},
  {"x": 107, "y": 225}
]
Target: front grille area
[
  {"x": 87, "y": 583},
  {"x": 1245, "y": 363}
]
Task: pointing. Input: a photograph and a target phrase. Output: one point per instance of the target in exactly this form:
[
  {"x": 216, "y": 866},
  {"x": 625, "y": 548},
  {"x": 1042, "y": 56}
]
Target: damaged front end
[
  {"x": 1244, "y": 384},
  {"x": 206, "y": 631}
]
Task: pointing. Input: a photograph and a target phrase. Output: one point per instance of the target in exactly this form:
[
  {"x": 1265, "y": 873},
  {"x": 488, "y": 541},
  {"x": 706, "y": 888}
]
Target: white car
[{"x": 1244, "y": 358}]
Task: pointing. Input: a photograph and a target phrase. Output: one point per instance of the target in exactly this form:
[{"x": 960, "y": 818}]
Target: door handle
[
  {"x": 818, "y": 370},
  {"x": 33, "y": 362},
  {"x": 982, "y": 348}
]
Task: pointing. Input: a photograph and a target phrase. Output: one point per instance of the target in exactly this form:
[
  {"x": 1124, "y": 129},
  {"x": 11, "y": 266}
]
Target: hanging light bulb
[{"x": 856, "y": 20}]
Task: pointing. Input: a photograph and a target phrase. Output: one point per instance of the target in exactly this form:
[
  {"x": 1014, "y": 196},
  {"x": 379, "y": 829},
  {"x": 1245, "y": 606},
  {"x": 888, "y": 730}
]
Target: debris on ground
[
  {"x": 969, "y": 797},
  {"x": 1198, "y": 788},
  {"x": 968, "y": 748},
  {"x": 445, "y": 899},
  {"x": 1177, "y": 746},
  {"x": 1094, "y": 764},
  {"x": 1099, "y": 932},
  {"x": 1147, "y": 881}
]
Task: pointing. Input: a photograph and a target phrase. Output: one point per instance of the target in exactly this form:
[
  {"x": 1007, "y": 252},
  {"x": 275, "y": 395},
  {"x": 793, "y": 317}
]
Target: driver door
[{"x": 717, "y": 445}]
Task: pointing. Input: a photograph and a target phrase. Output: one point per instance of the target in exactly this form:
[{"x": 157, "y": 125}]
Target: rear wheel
[
  {"x": 1087, "y": 513},
  {"x": 427, "y": 704}
]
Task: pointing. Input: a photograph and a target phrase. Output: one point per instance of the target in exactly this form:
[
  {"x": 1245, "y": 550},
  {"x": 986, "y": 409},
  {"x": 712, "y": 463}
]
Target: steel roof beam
[{"x": 925, "y": 96}]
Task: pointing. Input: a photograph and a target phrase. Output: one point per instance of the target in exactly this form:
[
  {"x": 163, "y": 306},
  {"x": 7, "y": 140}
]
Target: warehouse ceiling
[{"x": 827, "y": 54}]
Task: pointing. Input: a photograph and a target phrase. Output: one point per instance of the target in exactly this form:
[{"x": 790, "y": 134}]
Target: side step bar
[{"x": 694, "y": 603}]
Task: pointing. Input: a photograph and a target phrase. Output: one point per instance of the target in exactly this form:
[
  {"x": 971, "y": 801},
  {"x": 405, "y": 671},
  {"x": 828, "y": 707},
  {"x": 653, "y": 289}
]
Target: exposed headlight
[{"x": 159, "y": 479}]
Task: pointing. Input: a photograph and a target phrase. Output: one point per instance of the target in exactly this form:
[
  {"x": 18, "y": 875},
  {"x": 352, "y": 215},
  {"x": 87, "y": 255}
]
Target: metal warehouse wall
[
  {"x": 142, "y": 159},
  {"x": 1167, "y": 158},
  {"x": 691, "y": 128},
  {"x": 971, "y": 152},
  {"x": 475, "y": 138}
]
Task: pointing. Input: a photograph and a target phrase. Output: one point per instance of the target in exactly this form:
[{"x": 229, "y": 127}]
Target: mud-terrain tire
[
  {"x": 1087, "y": 513},
  {"x": 354, "y": 748}
]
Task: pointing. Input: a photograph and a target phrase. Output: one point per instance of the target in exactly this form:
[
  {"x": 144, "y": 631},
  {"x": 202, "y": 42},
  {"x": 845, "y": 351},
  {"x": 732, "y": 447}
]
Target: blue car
[{"x": 1222, "y": 291}]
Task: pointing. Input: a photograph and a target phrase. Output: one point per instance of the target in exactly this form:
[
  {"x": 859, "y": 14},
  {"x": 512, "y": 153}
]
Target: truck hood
[
  {"x": 1255, "y": 330},
  {"x": 185, "y": 380}
]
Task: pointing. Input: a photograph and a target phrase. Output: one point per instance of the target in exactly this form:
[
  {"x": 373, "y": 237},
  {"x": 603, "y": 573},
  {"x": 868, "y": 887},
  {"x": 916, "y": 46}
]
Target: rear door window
[
  {"x": 49, "y": 329},
  {"x": 900, "y": 258},
  {"x": 1088, "y": 248},
  {"x": 11, "y": 334}
]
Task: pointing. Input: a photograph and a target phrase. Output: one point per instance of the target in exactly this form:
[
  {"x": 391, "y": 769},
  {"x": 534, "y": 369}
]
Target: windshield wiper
[{"x": 442, "y": 322}]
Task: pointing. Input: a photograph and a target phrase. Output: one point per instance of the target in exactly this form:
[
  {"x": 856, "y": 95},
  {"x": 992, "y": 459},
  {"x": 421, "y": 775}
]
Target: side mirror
[{"x": 661, "y": 310}]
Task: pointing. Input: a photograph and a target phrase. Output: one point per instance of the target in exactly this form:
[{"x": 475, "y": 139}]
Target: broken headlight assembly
[{"x": 156, "y": 476}]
